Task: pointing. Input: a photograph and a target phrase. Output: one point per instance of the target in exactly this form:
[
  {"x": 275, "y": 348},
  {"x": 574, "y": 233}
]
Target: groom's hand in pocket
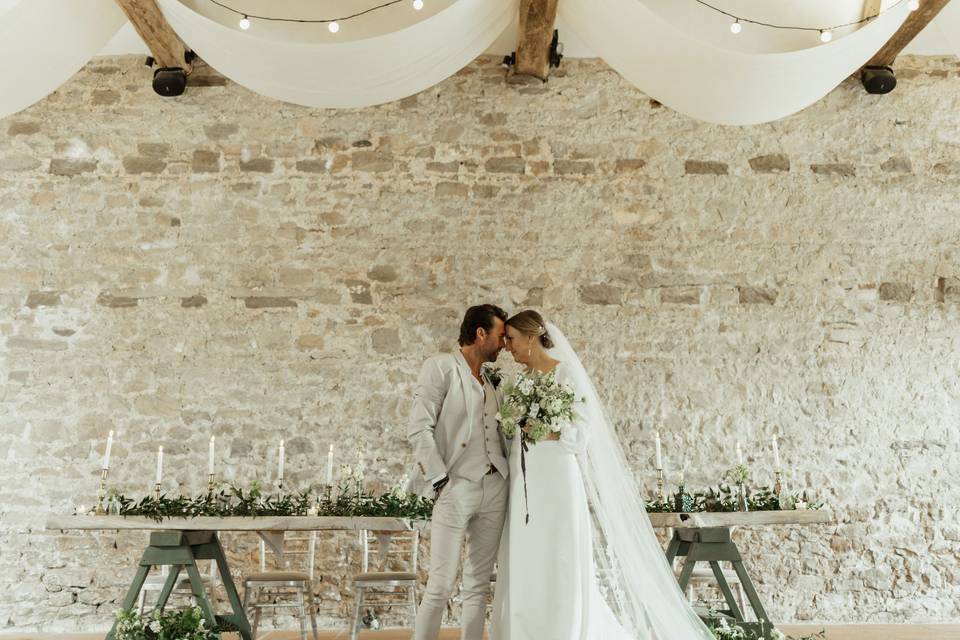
[{"x": 439, "y": 485}]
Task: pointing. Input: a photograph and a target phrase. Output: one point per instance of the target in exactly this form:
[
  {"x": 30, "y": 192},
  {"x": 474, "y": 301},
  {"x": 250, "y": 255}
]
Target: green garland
[{"x": 232, "y": 501}]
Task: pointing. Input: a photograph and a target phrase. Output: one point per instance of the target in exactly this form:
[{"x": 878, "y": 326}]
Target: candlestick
[
  {"x": 156, "y": 492},
  {"x": 106, "y": 453},
  {"x": 776, "y": 455},
  {"x": 280, "y": 465},
  {"x": 210, "y": 456},
  {"x": 159, "y": 465},
  {"x": 742, "y": 498},
  {"x": 656, "y": 441},
  {"x": 777, "y": 486},
  {"x": 102, "y": 491},
  {"x": 210, "y": 483},
  {"x": 330, "y": 466},
  {"x": 660, "y": 491}
]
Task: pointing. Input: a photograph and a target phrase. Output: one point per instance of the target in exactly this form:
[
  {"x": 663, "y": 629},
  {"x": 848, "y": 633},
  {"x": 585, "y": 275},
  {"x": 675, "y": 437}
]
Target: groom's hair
[{"x": 479, "y": 317}]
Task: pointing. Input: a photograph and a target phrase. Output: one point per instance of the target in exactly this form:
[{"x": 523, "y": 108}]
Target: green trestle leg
[{"x": 180, "y": 550}]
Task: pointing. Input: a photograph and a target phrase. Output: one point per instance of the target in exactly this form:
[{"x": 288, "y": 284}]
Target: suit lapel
[{"x": 465, "y": 380}]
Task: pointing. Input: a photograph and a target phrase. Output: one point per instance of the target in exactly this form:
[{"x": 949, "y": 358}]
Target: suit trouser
[{"x": 475, "y": 511}]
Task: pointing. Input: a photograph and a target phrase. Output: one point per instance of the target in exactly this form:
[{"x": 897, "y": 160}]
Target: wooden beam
[
  {"x": 913, "y": 25},
  {"x": 164, "y": 44},
  {"x": 537, "y": 18}
]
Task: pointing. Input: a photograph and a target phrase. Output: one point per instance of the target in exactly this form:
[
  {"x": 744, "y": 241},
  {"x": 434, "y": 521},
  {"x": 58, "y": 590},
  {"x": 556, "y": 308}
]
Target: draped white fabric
[
  {"x": 719, "y": 85},
  {"x": 44, "y": 42},
  {"x": 352, "y": 73}
]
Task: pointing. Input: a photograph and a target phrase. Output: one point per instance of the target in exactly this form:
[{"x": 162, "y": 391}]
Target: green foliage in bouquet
[{"x": 185, "y": 624}]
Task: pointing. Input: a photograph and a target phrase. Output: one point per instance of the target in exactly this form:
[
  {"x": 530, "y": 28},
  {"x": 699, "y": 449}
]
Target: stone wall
[{"x": 225, "y": 264}]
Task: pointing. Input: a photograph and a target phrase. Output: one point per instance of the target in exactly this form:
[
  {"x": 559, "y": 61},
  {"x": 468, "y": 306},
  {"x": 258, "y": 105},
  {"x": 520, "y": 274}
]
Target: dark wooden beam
[
  {"x": 537, "y": 18},
  {"x": 164, "y": 44},
  {"x": 913, "y": 25}
]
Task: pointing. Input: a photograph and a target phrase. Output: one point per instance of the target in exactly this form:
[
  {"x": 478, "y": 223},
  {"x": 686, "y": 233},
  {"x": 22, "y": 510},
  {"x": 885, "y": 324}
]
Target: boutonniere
[{"x": 493, "y": 373}]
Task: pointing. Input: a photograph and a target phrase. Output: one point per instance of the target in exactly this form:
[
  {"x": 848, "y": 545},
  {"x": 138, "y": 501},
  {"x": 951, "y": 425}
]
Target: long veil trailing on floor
[{"x": 637, "y": 578}]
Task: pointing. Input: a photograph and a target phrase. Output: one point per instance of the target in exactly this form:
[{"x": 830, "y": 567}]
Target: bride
[{"x": 578, "y": 486}]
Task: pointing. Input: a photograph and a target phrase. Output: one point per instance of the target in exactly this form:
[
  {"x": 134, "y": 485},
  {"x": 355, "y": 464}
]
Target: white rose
[{"x": 534, "y": 410}]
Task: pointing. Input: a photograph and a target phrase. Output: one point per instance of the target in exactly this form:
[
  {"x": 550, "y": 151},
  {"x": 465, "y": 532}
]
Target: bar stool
[
  {"x": 268, "y": 589},
  {"x": 394, "y": 580}
]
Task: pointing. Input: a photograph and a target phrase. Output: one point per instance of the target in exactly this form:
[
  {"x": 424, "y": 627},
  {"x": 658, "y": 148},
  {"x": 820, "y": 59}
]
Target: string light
[
  {"x": 826, "y": 33},
  {"x": 333, "y": 24}
]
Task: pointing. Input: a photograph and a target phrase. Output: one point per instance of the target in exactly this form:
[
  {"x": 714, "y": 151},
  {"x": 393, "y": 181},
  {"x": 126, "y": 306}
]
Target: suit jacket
[{"x": 442, "y": 419}]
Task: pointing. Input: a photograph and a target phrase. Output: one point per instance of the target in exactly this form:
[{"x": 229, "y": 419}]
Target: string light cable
[
  {"x": 826, "y": 33},
  {"x": 333, "y": 24}
]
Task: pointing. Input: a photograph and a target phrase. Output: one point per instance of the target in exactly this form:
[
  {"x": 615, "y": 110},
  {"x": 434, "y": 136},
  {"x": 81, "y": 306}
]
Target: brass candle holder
[
  {"x": 156, "y": 492},
  {"x": 777, "y": 484},
  {"x": 742, "y": 498},
  {"x": 660, "y": 491},
  {"x": 280, "y": 486},
  {"x": 101, "y": 493},
  {"x": 210, "y": 483}
]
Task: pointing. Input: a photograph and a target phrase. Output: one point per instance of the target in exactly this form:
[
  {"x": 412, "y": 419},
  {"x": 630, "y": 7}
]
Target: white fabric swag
[
  {"x": 719, "y": 85},
  {"x": 352, "y": 73},
  {"x": 45, "y": 42}
]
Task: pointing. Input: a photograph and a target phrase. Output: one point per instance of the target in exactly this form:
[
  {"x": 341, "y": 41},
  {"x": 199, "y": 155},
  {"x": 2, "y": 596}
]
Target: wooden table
[
  {"x": 180, "y": 542},
  {"x": 705, "y": 537}
]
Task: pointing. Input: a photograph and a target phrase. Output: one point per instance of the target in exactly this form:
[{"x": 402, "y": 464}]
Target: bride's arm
[{"x": 573, "y": 437}]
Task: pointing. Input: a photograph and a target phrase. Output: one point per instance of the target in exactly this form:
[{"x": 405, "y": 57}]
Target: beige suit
[{"x": 454, "y": 433}]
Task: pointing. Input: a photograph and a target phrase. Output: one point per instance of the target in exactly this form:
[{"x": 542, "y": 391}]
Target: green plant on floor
[
  {"x": 185, "y": 624},
  {"x": 723, "y": 630}
]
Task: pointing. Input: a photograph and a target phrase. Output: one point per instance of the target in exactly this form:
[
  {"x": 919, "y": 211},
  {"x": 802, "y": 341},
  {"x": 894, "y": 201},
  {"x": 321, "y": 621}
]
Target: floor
[{"x": 835, "y": 632}]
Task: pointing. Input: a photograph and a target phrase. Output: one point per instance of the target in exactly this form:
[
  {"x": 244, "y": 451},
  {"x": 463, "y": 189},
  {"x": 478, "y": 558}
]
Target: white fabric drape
[
  {"x": 714, "y": 84},
  {"x": 351, "y": 73},
  {"x": 44, "y": 42}
]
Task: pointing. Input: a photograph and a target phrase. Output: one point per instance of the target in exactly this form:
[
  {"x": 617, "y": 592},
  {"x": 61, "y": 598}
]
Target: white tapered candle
[
  {"x": 210, "y": 456},
  {"x": 739, "y": 453},
  {"x": 106, "y": 453},
  {"x": 280, "y": 462},
  {"x": 776, "y": 454},
  {"x": 656, "y": 441},
  {"x": 159, "y": 465},
  {"x": 330, "y": 465}
]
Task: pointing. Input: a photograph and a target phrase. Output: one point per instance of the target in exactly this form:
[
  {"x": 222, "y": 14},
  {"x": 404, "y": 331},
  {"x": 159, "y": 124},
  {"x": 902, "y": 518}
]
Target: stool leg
[
  {"x": 313, "y": 612},
  {"x": 302, "y": 610},
  {"x": 256, "y": 616},
  {"x": 357, "y": 606}
]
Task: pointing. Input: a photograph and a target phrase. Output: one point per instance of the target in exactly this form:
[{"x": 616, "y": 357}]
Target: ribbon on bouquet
[{"x": 523, "y": 472}]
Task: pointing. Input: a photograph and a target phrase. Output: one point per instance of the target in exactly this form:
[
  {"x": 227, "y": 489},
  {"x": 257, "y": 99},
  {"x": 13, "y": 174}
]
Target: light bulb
[
  {"x": 736, "y": 27},
  {"x": 914, "y": 5},
  {"x": 244, "y": 23},
  {"x": 334, "y": 26},
  {"x": 826, "y": 36},
  {"x": 418, "y": 4}
]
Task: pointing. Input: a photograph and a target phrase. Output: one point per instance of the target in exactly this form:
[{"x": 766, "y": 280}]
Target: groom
[{"x": 461, "y": 461}]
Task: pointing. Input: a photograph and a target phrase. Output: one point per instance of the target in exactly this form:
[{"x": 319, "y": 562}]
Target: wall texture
[{"x": 225, "y": 264}]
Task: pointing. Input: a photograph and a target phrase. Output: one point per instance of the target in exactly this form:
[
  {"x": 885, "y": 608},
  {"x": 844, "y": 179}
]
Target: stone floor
[{"x": 834, "y": 632}]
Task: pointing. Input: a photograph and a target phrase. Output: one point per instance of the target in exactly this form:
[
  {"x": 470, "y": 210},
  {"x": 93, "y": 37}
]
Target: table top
[
  {"x": 264, "y": 523},
  {"x": 335, "y": 523},
  {"x": 741, "y": 518}
]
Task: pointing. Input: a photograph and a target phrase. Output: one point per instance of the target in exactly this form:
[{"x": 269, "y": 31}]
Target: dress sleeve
[{"x": 573, "y": 437}]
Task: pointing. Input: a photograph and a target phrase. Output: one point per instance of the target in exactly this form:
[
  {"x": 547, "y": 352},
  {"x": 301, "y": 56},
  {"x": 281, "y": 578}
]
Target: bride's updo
[{"x": 531, "y": 323}]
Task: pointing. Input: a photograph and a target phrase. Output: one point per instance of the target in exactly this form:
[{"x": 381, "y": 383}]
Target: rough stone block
[
  {"x": 896, "y": 291},
  {"x": 43, "y": 299},
  {"x": 841, "y": 169},
  {"x": 772, "y": 163},
  {"x": 205, "y": 161},
  {"x": 193, "y": 302},
  {"x": 630, "y": 165},
  {"x": 681, "y": 295},
  {"x": 310, "y": 343},
  {"x": 897, "y": 165},
  {"x": 71, "y": 167},
  {"x": 372, "y": 161},
  {"x": 359, "y": 291},
  {"x": 268, "y": 302},
  {"x": 18, "y": 162},
  {"x": 505, "y": 165},
  {"x": 23, "y": 128},
  {"x": 116, "y": 302},
  {"x": 382, "y": 273},
  {"x": 143, "y": 164},
  {"x": 451, "y": 189},
  {"x": 757, "y": 295},
  {"x": 601, "y": 294},
  {"x": 220, "y": 130},
  {"x": 573, "y": 167},
  {"x": 705, "y": 167},
  {"x": 386, "y": 340},
  {"x": 257, "y": 165}
]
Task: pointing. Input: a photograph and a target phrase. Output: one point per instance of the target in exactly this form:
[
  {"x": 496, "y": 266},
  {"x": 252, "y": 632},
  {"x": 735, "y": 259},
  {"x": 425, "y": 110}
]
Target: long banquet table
[{"x": 179, "y": 542}]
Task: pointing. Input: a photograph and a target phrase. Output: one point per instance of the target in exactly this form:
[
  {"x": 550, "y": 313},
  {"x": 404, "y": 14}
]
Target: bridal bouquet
[{"x": 536, "y": 404}]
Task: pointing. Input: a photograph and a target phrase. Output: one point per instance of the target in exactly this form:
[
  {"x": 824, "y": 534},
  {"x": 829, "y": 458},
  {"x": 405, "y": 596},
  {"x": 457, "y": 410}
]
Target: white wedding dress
[
  {"x": 584, "y": 508},
  {"x": 546, "y": 583}
]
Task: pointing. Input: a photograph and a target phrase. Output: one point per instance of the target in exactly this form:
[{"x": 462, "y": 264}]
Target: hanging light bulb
[
  {"x": 914, "y": 5},
  {"x": 334, "y": 26},
  {"x": 418, "y": 4},
  {"x": 826, "y": 35},
  {"x": 244, "y": 23},
  {"x": 736, "y": 27}
]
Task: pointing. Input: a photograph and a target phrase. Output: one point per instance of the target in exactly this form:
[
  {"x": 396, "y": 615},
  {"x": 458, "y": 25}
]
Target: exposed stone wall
[{"x": 223, "y": 263}]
